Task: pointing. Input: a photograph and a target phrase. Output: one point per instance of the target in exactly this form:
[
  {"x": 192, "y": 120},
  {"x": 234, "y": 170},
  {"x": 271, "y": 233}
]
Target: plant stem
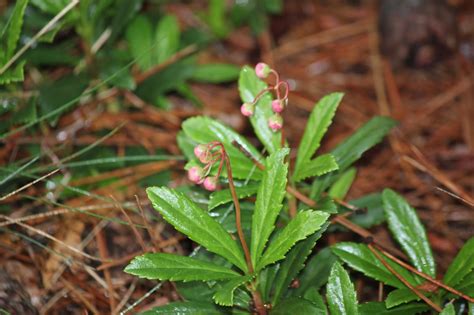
[{"x": 237, "y": 212}]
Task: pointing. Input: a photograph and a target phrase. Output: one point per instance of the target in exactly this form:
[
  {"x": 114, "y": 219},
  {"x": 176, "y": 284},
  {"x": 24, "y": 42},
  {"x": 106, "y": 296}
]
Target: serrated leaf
[
  {"x": 316, "y": 127},
  {"x": 183, "y": 308},
  {"x": 359, "y": 257},
  {"x": 321, "y": 165},
  {"x": 269, "y": 202},
  {"x": 178, "y": 210},
  {"x": 448, "y": 310},
  {"x": 467, "y": 284},
  {"x": 374, "y": 210},
  {"x": 13, "y": 74},
  {"x": 316, "y": 271},
  {"x": 249, "y": 87},
  {"x": 340, "y": 292},
  {"x": 380, "y": 309},
  {"x": 408, "y": 231},
  {"x": 167, "y": 38},
  {"x": 224, "y": 196},
  {"x": 11, "y": 32},
  {"x": 305, "y": 223},
  {"x": 462, "y": 265},
  {"x": 216, "y": 73},
  {"x": 225, "y": 295},
  {"x": 295, "y": 305},
  {"x": 204, "y": 130},
  {"x": 400, "y": 296},
  {"x": 352, "y": 149},
  {"x": 313, "y": 295},
  {"x": 342, "y": 185},
  {"x": 163, "y": 266},
  {"x": 139, "y": 35},
  {"x": 293, "y": 263}
]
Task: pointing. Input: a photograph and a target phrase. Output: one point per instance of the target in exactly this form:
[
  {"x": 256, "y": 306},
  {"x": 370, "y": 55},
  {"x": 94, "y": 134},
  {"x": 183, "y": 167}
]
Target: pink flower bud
[
  {"x": 262, "y": 70},
  {"x": 195, "y": 174},
  {"x": 247, "y": 109},
  {"x": 210, "y": 183},
  {"x": 278, "y": 106},
  {"x": 201, "y": 151},
  {"x": 275, "y": 122}
]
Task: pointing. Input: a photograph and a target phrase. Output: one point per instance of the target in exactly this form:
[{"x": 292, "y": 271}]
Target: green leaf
[
  {"x": 467, "y": 284},
  {"x": 167, "y": 38},
  {"x": 225, "y": 295},
  {"x": 224, "y": 196},
  {"x": 197, "y": 224},
  {"x": 295, "y": 305},
  {"x": 316, "y": 272},
  {"x": 269, "y": 202},
  {"x": 305, "y": 223},
  {"x": 163, "y": 266},
  {"x": 12, "y": 31},
  {"x": 139, "y": 35},
  {"x": 359, "y": 257},
  {"x": 216, "y": 73},
  {"x": 13, "y": 74},
  {"x": 321, "y": 165},
  {"x": 249, "y": 87},
  {"x": 379, "y": 309},
  {"x": 408, "y": 231},
  {"x": 55, "y": 94},
  {"x": 292, "y": 265},
  {"x": 183, "y": 308},
  {"x": 400, "y": 296},
  {"x": 204, "y": 130},
  {"x": 313, "y": 295},
  {"x": 26, "y": 114},
  {"x": 340, "y": 292},
  {"x": 318, "y": 123},
  {"x": 217, "y": 18},
  {"x": 374, "y": 210},
  {"x": 462, "y": 265},
  {"x": 448, "y": 310},
  {"x": 342, "y": 185},
  {"x": 353, "y": 147}
]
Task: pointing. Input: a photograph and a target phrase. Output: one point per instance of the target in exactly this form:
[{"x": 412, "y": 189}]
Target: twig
[
  {"x": 29, "y": 184},
  {"x": 132, "y": 225},
  {"x": 102, "y": 246},
  {"x": 147, "y": 226},
  {"x": 424, "y": 276},
  {"x": 404, "y": 281}
]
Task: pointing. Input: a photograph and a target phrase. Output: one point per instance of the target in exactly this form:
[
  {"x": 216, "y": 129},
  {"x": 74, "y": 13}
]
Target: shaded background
[{"x": 409, "y": 59}]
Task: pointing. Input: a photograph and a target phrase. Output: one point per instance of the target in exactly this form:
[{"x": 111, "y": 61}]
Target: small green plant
[{"x": 253, "y": 253}]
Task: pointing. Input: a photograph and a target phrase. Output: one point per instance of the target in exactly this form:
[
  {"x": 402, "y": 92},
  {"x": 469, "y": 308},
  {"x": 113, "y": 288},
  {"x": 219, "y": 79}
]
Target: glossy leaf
[
  {"x": 313, "y": 296},
  {"x": 316, "y": 127},
  {"x": 340, "y": 188},
  {"x": 269, "y": 202},
  {"x": 316, "y": 272},
  {"x": 183, "y": 308},
  {"x": 204, "y": 130},
  {"x": 400, "y": 296},
  {"x": 177, "y": 209},
  {"x": 305, "y": 223},
  {"x": 163, "y": 266},
  {"x": 462, "y": 265},
  {"x": 374, "y": 213},
  {"x": 139, "y": 35},
  {"x": 321, "y": 165},
  {"x": 225, "y": 295},
  {"x": 340, "y": 292},
  {"x": 249, "y": 87},
  {"x": 166, "y": 38},
  {"x": 295, "y": 305},
  {"x": 216, "y": 73},
  {"x": 359, "y": 257},
  {"x": 380, "y": 309},
  {"x": 448, "y": 310},
  {"x": 351, "y": 149},
  {"x": 408, "y": 231},
  {"x": 224, "y": 196},
  {"x": 293, "y": 263}
]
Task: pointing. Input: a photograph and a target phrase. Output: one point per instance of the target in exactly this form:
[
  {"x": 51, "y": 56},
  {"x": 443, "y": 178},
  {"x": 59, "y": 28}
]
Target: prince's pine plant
[{"x": 251, "y": 253}]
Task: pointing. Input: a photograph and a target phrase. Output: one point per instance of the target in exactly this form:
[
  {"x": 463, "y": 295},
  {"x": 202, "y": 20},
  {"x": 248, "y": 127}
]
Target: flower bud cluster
[
  {"x": 275, "y": 122},
  {"x": 200, "y": 175}
]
